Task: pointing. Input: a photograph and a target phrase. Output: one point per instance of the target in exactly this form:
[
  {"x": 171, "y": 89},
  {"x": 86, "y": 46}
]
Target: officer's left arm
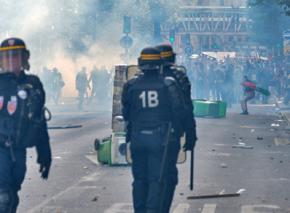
[
  {"x": 42, "y": 145},
  {"x": 176, "y": 100},
  {"x": 190, "y": 127},
  {"x": 189, "y": 121}
]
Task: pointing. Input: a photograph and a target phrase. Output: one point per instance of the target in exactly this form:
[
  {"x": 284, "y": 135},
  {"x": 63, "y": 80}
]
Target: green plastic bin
[
  {"x": 104, "y": 151},
  {"x": 204, "y": 108}
]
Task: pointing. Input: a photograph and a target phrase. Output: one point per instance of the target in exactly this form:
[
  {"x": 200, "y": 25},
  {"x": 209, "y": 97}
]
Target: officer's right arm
[
  {"x": 126, "y": 105},
  {"x": 125, "y": 101}
]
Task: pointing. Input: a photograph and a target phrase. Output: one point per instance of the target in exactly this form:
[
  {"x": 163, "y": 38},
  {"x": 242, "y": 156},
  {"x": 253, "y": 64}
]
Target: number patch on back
[{"x": 149, "y": 99}]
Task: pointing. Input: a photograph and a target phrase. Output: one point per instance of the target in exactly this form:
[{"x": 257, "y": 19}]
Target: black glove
[
  {"x": 190, "y": 140},
  {"x": 44, "y": 169},
  {"x": 44, "y": 159}
]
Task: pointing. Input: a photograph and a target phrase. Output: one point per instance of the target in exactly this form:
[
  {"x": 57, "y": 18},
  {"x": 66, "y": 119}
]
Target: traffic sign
[{"x": 126, "y": 41}]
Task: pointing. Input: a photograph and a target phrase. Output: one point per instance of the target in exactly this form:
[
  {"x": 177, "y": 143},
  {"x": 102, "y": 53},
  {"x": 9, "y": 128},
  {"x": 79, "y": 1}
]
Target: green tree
[
  {"x": 266, "y": 18},
  {"x": 284, "y": 3}
]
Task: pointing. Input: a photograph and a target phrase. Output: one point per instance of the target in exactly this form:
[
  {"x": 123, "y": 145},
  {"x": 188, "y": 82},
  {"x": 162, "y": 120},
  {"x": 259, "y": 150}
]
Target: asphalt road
[{"x": 78, "y": 184}]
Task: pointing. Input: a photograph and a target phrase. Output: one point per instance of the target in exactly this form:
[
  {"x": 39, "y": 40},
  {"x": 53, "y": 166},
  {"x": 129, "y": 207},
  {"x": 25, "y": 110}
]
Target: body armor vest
[
  {"x": 149, "y": 101},
  {"x": 16, "y": 113}
]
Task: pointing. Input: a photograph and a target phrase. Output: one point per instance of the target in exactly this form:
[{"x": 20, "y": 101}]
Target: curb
[{"x": 284, "y": 111}]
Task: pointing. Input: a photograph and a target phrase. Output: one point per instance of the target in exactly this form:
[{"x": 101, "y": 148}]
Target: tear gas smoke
[{"x": 71, "y": 34}]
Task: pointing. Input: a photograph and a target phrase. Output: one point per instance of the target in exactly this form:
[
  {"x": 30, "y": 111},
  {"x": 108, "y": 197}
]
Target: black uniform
[
  {"x": 22, "y": 125},
  {"x": 150, "y": 103}
]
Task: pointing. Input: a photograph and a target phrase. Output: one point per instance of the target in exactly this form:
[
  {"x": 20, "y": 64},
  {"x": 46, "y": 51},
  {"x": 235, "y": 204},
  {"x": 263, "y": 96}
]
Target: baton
[
  {"x": 164, "y": 167},
  {"x": 191, "y": 170}
]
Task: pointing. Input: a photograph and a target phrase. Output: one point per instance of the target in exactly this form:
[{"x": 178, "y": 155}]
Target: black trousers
[{"x": 147, "y": 151}]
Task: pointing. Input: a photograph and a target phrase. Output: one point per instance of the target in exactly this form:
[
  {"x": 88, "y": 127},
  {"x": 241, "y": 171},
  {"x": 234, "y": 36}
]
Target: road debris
[
  {"x": 65, "y": 127},
  {"x": 223, "y": 165},
  {"x": 260, "y": 138},
  {"x": 275, "y": 125},
  {"x": 95, "y": 199},
  {"x": 220, "y": 195},
  {"x": 252, "y": 130},
  {"x": 281, "y": 141},
  {"x": 242, "y": 146}
]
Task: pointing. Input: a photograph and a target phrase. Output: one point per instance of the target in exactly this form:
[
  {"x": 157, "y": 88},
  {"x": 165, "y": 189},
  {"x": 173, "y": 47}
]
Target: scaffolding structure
[{"x": 209, "y": 28}]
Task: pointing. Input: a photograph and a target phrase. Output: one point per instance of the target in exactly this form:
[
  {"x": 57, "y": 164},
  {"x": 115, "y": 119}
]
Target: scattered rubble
[
  {"x": 275, "y": 125},
  {"x": 220, "y": 195},
  {"x": 223, "y": 165},
  {"x": 95, "y": 199},
  {"x": 242, "y": 146}
]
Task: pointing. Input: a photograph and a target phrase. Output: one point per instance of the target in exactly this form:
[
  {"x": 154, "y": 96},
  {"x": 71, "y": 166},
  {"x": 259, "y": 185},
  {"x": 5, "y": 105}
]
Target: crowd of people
[
  {"x": 214, "y": 79},
  {"x": 92, "y": 86},
  {"x": 53, "y": 83}
]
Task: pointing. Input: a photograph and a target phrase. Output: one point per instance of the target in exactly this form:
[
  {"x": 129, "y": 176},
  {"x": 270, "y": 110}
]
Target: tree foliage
[
  {"x": 266, "y": 18},
  {"x": 284, "y": 3}
]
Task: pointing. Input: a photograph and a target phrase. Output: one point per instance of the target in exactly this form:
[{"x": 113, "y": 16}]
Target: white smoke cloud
[{"x": 69, "y": 34}]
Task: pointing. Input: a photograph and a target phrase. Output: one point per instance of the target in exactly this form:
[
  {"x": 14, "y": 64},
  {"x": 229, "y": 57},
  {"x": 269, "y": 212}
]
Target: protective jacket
[
  {"x": 148, "y": 100},
  {"x": 22, "y": 120}
]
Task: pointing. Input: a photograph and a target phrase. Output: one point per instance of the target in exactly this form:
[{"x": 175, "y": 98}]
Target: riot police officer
[
  {"x": 151, "y": 103},
  {"x": 189, "y": 125},
  {"x": 22, "y": 122}
]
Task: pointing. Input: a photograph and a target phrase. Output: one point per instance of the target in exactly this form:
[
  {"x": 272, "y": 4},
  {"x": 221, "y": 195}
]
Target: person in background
[{"x": 249, "y": 93}]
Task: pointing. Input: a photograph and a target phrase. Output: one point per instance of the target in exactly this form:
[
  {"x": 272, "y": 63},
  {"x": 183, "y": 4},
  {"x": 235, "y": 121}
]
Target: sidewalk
[{"x": 284, "y": 111}]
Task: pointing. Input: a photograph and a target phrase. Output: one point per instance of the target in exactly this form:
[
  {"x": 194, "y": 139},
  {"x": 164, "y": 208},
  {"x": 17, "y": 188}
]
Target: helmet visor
[{"x": 11, "y": 61}]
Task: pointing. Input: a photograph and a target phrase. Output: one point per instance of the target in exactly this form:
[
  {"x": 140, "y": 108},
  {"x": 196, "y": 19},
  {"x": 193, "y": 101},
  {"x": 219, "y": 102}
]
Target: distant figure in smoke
[
  {"x": 46, "y": 77},
  {"x": 81, "y": 86},
  {"x": 94, "y": 80},
  {"x": 287, "y": 88},
  {"x": 58, "y": 84},
  {"x": 100, "y": 79},
  {"x": 249, "y": 93}
]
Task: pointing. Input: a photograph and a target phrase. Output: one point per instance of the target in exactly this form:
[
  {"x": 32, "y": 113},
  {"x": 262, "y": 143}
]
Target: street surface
[{"x": 78, "y": 184}]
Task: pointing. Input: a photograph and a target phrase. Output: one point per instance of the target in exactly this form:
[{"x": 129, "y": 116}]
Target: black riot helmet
[
  {"x": 14, "y": 56},
  {"x": 150, "y": 59},
  {"x": 167, "y": 53}
]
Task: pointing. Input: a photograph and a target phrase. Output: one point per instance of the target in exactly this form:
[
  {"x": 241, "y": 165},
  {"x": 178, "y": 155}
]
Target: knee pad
[{"x": 5, "y": 200}]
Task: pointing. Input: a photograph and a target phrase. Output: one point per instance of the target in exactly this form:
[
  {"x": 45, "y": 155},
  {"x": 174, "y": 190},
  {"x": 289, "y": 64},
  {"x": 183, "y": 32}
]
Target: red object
[{"x": 249, "y": 84}]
